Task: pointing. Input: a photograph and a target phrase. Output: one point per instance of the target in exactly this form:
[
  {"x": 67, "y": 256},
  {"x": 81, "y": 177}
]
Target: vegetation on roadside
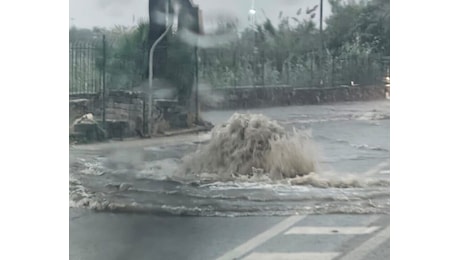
[{"x": 355, "y": 39}]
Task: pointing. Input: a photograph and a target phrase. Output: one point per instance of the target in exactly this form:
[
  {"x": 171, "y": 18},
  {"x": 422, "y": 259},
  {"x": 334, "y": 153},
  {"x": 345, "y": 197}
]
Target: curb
[{"x": 185, "y": 131}]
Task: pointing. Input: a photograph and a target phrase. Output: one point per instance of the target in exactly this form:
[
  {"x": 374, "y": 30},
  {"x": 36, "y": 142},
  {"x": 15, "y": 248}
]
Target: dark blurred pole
[
  {"x": 104, "y": 58},
  {"x": 197, "y": 106},
  {"x": 321, "y": 40},
  {"x": 199, "y": 31}
]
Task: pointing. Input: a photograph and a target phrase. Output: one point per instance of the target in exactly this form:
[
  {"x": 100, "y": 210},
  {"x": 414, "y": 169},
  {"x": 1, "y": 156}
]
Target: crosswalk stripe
[
  {"x": 368, "y": 246},
  {"x": 330, "y": 230},
  {"x": 261, "y": 238},
  {"x": 292, "y": 256}
]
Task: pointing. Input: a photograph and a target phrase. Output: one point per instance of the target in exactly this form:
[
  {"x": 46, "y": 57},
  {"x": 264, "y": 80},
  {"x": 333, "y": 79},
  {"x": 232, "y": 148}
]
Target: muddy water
[{"x": 347, "y": 171}]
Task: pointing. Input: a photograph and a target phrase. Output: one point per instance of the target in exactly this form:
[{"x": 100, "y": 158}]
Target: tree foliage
[
  {"x": 355, "y": 35},
  {"x": 366, "y": 23}
]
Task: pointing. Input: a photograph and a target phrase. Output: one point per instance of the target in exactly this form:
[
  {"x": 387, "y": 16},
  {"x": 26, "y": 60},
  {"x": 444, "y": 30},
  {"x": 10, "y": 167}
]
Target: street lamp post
[
  {"x": 150, "y": 90},
  {"x": 252, "y": 13}
]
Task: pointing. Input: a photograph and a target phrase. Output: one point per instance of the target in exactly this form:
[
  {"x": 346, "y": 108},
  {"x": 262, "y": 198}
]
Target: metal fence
[
  {"x": 222, "y": 68},
  {"x": 90, "y": 61},
  {"x": 231, "y": 68},
  {"x": 85, "y": 68}
]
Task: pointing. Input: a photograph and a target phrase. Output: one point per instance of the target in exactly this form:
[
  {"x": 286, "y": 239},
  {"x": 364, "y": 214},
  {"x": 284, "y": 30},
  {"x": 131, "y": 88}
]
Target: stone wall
[
  {"x": 125, "y": 106},
  {"x": 120, "y": 106},
  {"x": 79, "y": 107},
  {"x": 253, "y": 97},
  {"x": 129, "y": 106}
]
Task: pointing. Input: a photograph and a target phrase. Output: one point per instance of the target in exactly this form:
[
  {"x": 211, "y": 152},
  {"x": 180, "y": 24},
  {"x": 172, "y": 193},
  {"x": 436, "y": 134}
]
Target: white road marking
[
  {"x": 330, "y": 230},
  {"x": 261, "y": 238},
  {"x": 378, "y": 168},
  {"x": 367, "y": 247},
  {"x": 292, "y": 256}
]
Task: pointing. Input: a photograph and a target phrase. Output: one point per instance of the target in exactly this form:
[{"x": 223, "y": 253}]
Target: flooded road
[{"x": 352, "y": 144}]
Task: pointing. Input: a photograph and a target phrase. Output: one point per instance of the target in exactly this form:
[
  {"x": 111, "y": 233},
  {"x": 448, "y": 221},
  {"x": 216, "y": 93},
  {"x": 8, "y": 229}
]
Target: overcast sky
[{"x": 107, "y": 13}]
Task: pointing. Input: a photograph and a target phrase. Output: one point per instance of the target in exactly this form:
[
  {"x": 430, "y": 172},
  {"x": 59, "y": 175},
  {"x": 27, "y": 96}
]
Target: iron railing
[
  {"x": 85, "y": 74},
  {"x": 231, "y": 68}
]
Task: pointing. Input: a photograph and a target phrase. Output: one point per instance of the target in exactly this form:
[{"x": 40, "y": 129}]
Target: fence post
[
  {"x": 333, "y": 72},
  {"x": 287, "y": 73},
  {"x": 262, "y": 54},
  {"x": 71, "y": 88},
  {"x": 103, "y": 81}
]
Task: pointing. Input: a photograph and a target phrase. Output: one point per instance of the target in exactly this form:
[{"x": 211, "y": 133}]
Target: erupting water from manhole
[{"x": 250, "y": 145}]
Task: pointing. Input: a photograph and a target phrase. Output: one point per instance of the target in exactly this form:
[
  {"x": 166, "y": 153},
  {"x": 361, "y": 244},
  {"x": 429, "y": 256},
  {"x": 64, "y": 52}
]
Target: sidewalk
[{"x": 170, "y": 137}]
